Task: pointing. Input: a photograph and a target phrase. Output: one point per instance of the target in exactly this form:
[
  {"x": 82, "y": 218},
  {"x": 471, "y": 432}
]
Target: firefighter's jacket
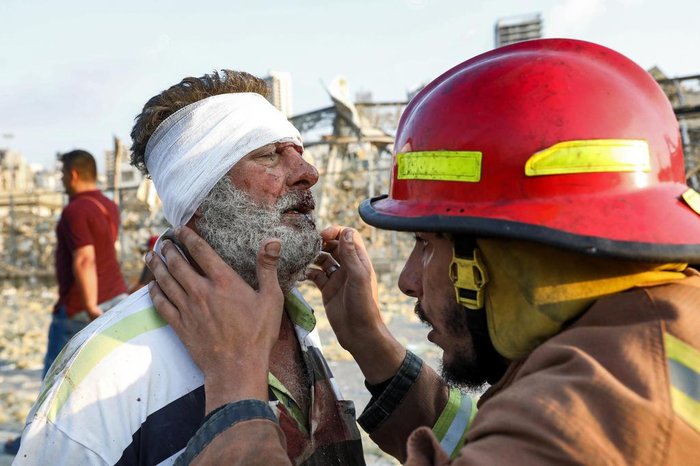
[{"x": 618, "y": 386}]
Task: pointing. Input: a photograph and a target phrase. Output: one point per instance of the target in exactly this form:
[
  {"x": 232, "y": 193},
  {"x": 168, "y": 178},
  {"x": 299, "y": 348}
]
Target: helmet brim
[{"x": 677, "y": 243}]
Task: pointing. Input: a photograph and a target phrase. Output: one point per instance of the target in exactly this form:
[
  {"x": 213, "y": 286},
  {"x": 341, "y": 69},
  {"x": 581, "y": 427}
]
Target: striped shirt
[{"x": 126, "y": 392}]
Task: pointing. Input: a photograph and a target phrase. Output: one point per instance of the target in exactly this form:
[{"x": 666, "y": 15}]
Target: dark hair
[
  {"x": 187, "y": 91},
  {"x": 82, "y": 162}
]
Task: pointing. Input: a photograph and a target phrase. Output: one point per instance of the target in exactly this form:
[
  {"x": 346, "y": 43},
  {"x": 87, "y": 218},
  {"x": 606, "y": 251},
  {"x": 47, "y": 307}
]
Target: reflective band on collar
[
  {"x": 439, "y": 166},
  {"x": 684, "y": 372},
  {"x": 692, "y": 198},
  {"x": 591, "y": 156}
]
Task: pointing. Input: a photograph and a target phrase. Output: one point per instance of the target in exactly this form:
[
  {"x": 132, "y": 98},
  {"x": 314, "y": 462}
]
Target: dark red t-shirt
[{"x": 82, "y": 223}]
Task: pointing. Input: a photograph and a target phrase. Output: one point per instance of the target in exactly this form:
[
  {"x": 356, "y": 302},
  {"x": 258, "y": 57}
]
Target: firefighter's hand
[
  {"x": 227, "y": 326},
  {"x": 348, "y": 285}
]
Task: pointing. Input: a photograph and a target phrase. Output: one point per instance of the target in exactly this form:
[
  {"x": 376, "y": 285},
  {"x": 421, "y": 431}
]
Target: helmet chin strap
[{"x": 468, "y": 274}]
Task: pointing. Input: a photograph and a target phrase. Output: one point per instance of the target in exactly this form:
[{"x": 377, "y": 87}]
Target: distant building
[
  {"x": 47, "y": 179},
  {"x": 363, "y": 97},
  {"x": 684, "y": 94},
  {"x": 411, "y": 93},
  {"x": 130, "y": 176},
  {"x": 109, "y": 167},
  {"x": 15, "y": 174},
  {"x": 280, "y": 85},
  {"x": 517, "y": 29}
]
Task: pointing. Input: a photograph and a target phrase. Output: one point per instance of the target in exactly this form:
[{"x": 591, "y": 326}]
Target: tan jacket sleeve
[
  {"x": 249, "y": 443},
  {"x": 415, "y": 397},
  {"x": 244, "y": 432}
]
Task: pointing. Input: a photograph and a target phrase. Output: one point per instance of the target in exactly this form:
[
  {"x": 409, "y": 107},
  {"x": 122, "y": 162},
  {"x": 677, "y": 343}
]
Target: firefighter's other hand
[{"x": 348, "y": 285}]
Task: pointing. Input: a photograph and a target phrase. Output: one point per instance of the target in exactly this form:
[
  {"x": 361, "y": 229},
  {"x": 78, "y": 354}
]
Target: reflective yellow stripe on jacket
[
  {"x": 684, "y": 373},
  {"x": 454, "y": 421}
]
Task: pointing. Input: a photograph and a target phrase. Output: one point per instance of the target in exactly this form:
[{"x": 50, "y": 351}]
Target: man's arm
[
  {"x": 85, "y": 272},
  {"x": 44, "y": 442},
  {"x": 230, "y": 340},
  {"x": 352, "y": 305},
  {"x": 410, "y": 394}
]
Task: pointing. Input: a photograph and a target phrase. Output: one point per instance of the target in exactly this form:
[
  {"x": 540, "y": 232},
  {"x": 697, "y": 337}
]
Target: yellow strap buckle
[{"x": 469, "y": 278}]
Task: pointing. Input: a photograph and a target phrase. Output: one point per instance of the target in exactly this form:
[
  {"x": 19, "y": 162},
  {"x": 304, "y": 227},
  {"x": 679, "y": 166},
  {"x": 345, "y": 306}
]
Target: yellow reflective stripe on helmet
[
  {"x": 454, "y": 421},
  {"x": 590, "y": 156},
  {"x": 692, "y": 198},
  {"x": 439, "y": 165},
  {"x": 684, "y": 372}
]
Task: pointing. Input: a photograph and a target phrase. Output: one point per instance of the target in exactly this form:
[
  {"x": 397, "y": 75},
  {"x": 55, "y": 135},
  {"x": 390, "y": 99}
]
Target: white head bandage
[{"x": 196, "y": 146}]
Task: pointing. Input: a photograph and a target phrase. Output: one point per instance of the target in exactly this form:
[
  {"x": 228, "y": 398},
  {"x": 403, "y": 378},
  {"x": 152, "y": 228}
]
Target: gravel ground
[{"x": 25, "y": 316}]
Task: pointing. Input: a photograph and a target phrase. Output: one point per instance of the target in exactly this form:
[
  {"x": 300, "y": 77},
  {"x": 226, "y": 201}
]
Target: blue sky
[{"x": 74, "y": 73}]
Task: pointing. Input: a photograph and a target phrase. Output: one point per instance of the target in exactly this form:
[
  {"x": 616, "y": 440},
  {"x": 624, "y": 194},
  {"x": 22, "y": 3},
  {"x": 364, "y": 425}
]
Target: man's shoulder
[
  {"x": 121, "y": 379},
  {"x": 78, "y": 206},
  {"x": 606, "y": 374},
  {"x": 122, "y": 368},
  {"x": 669, "y": 304},
  {"x": 128, "y": 345},
  {"x": 90, "y": 200},
  {"x": 614, "y": 351},
  {"x": 104, "y": 200},
  {"x": 133, "y": 319}
]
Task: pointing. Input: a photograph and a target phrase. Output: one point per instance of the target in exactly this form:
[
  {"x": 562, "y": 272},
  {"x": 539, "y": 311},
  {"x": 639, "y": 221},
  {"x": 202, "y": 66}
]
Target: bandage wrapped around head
[{"x": 196, "y": 146}]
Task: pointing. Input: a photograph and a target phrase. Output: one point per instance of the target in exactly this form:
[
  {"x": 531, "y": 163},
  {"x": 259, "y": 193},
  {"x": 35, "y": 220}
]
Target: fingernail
[
  {"x": 348, "y": 234},
  {"x": 149, "y": 256},
  {"x": 150, "y": 285},
  {"x": 177, "y": 231},
  {"x": 273, "y": 248}
]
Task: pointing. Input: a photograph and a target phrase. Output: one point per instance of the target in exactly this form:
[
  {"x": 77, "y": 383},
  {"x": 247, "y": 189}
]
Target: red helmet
[{"x": 557, "y": 141}]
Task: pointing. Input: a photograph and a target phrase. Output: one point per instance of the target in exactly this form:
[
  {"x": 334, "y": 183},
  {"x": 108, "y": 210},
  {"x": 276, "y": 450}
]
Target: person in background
[
  {"x": 88, "y": 274},
  {"x": 89, "y": 279}
]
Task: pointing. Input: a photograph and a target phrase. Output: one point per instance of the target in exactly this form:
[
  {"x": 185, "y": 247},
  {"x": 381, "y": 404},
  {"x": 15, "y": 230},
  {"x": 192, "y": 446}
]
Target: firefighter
[{"x": 544, "y": 183}]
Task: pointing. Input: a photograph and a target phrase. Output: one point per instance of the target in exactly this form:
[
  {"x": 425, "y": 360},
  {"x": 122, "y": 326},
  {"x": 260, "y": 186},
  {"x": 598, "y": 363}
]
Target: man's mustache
[
  {"x": 300, "y": 201},
  {"x": 420, "y": 313}
]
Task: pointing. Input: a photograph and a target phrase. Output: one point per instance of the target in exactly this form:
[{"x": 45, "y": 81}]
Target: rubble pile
[
  {"x": 349, "y": 174},
  {"x": 25, "y": 316},
  {"x": 29, "y": 241}
]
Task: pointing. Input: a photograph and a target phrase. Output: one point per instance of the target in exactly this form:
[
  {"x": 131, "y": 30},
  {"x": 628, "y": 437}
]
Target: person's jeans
[{"x": 62, "y": 329}]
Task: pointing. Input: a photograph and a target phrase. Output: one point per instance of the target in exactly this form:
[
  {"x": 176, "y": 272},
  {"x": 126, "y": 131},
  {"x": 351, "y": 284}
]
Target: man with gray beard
[
  {"x": 235, "y": 227},
  {"x": 228, "y": 166}
]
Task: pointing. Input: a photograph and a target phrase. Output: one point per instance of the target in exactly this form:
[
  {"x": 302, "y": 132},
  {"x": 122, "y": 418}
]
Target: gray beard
[{"x": 235, "y": 227}]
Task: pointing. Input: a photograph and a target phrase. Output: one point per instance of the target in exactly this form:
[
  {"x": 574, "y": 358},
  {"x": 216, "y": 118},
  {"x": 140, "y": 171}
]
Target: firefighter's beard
[
  {"x": 472, "y": 361},
  {"x": 235, "y": 227}
]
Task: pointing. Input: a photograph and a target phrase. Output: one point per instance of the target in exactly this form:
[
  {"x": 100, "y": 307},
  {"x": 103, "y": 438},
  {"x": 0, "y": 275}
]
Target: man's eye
[
  {"x": 272, "y": 157},
  {"x": 422, "y": 242}
]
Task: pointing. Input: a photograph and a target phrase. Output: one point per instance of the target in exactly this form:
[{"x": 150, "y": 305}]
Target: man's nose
[
  {"x": 411, "y": 279},
  {"x": 303, "y": 175}
]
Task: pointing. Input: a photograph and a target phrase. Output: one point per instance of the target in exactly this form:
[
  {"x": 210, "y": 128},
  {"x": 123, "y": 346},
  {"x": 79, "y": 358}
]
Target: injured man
[{"x": 125, "y": 391}]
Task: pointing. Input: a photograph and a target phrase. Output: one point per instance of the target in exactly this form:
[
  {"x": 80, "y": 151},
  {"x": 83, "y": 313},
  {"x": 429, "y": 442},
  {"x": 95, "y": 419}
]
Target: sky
[{"x": 73, "y": 74}]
